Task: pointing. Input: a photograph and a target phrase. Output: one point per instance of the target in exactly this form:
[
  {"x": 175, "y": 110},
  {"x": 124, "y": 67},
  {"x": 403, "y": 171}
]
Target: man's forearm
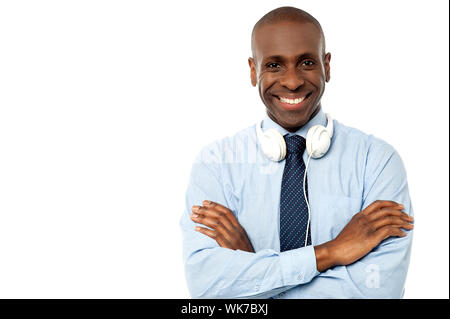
[{"x": 225, "y": 273}]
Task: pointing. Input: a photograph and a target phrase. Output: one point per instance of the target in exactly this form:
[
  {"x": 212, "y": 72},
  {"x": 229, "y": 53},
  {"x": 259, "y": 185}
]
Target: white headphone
[{"x": 318, "y": 140}]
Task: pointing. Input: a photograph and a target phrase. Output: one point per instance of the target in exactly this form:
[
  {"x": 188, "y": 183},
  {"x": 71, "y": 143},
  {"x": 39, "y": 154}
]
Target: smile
[{"x": 291, "y": 101}]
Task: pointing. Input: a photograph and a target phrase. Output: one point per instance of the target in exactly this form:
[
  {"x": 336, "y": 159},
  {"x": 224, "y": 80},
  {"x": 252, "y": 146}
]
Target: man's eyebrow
[
  {"x": 273, "y": 58},
  {"x": 307, "y": 55}
]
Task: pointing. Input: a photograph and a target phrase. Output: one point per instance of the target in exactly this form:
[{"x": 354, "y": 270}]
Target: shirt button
[
  {"x": 256, "y": 287},
  {"x": 300, "y": 277}
]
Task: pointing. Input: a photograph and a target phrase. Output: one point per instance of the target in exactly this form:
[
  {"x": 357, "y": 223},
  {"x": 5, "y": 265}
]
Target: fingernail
[
  {"x": 206, "y": 202},
  {"x": 401, "y": 206},
  {"x": 194, "y": 215},
  {"x": 197, "y": 228},
  {"x": 195, "y": 208}
]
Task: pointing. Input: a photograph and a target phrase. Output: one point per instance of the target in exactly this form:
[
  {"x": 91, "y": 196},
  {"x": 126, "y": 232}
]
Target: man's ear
[
  {"x": 251, "y": 64},
  {"x": 326, "y": 62}
]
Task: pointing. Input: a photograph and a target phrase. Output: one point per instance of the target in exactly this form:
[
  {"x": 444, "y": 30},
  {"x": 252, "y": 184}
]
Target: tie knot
[{"x": 295, "y": 144}]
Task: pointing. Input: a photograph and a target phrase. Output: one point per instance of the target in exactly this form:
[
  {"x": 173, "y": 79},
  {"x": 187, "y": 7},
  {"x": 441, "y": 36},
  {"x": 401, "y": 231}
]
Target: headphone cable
[{"x": 306, "y": 199}]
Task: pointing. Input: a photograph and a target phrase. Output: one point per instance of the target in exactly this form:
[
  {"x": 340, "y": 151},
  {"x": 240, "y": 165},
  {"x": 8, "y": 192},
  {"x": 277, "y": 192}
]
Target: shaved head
[{"x": 284, "y": 14}]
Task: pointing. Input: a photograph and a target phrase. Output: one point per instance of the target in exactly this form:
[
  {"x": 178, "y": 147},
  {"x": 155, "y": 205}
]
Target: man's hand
[
  {"x": 378, "y": 221},
  {"x": 225, "y": 229}
]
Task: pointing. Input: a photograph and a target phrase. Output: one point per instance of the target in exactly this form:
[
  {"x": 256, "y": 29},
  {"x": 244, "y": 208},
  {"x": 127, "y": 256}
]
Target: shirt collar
[{"x": 318, "y": 119}]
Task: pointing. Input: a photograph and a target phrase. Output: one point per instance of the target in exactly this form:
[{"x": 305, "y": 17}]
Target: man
[{"x": 247, "y": 229}]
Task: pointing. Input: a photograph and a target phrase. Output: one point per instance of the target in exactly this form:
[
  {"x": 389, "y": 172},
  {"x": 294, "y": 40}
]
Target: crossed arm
[{"x": 378, "y": 221}]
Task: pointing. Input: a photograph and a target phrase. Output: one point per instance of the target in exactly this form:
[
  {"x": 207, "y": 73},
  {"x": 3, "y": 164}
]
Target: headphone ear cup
[
  {"x": 318, "y": 141},
  {"x": 274, "y": 146},
  {"x": 309, "y": 139}
]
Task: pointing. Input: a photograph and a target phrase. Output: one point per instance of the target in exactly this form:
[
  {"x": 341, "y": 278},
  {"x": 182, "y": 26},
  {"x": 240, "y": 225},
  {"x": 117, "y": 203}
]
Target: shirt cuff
[{"x": 298, "y": 266}]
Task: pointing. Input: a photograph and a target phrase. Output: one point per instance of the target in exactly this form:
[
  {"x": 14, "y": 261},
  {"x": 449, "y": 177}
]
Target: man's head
[{"x": 289, "y": 65}]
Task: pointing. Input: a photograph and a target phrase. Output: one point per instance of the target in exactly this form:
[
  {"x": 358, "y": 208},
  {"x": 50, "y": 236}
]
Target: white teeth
[{"x": 291, "y": 101}]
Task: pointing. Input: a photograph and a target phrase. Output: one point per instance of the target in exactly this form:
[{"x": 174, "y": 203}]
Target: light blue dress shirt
[{"x": 357, "y": 170}]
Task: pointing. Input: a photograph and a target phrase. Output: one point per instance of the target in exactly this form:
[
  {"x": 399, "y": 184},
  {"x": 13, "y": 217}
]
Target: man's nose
[{"x": 291, "y": 79}]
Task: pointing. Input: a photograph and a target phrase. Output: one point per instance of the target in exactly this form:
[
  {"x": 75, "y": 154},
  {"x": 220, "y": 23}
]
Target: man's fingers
[
  {"x": 389, "y": 231},
  {"x": 214, "y": 235},
  {"x": 378, "y": 204},
  {"x": 223, "y": 226},
  {"x": 389, "y": 212},
  {"x": 393, "y": 221},
  {"x": 221, "y": 209},
  {"x": 213, "y": 219},
  {"x": 208, "y": 220},
  {"x": 206, "y": 231},
  {"x": 212, "y": 215}
]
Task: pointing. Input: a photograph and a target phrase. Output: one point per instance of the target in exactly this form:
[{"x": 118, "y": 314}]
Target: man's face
[{"x": 290, "y": 70}]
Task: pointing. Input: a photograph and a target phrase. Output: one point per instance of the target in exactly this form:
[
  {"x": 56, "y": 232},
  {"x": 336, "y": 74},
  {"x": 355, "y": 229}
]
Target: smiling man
[
  {"x": 293, "y": 45},
  {"x": 260, "y": 223}
]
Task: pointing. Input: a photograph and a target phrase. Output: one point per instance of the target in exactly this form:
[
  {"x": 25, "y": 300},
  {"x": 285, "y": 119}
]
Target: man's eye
[
  {"x": 272, "y": 65},
  {"x": 308, "y": 63}
]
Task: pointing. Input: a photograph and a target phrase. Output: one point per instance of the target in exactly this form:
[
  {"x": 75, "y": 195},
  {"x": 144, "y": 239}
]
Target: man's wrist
[{"x": 325, "y": 257}]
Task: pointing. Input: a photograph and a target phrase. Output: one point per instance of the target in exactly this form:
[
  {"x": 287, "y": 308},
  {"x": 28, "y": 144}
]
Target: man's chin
[{"x": 290, "y": 120}]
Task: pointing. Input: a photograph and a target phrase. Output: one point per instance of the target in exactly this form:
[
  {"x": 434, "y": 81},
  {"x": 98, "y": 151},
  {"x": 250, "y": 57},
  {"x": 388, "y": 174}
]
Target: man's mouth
[{"x": 293, "y": 102}]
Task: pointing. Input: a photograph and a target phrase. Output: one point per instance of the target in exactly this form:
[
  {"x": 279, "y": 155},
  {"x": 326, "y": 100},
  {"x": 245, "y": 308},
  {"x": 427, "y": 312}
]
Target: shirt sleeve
[
  {"x": 382, "y": 272},
  {"x": 215, "y": 272}
]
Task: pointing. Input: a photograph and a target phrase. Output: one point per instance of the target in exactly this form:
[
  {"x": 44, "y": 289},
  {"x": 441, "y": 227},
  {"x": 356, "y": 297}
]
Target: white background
[{"x": 104, "y": 104}]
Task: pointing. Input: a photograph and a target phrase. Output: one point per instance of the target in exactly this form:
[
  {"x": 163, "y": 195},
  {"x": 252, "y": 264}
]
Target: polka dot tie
[{"x": 293, "y": 209}]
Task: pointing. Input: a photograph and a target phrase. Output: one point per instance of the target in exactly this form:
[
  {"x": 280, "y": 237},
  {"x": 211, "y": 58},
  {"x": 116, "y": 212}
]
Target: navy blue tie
[{"x": 293, "y": 209}]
